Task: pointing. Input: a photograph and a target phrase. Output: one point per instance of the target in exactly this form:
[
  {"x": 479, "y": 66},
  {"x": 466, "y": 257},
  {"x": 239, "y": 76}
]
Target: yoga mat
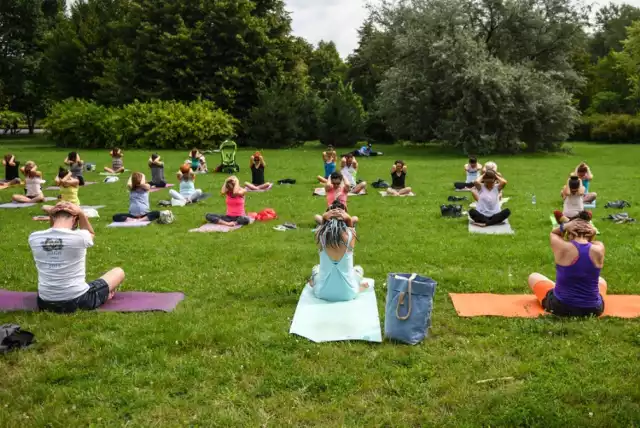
[
  {"x": 527, "y": 306},
  {"x": 112, "y": 173},
  {"x": 319, "y": 191},
  {"x": 383, "y": 193},
  {"x": 157, "y": 189},
  {"x": 322, "y": 321},
  {"x": 210, "y": 227},
  {"x": 498, "y": 229},
  {"x": 590, "y": 206},
  {"x": 127, "y": 301},
  {"x": 462, "y": 190},
  {"x": 17, "y": 205},
  {"x": 554, "y": 223},
  {"x": 502, "y": 202},
  {"x": 86, "y": 183},
  {"x": 259, "y": 191},
  {"x": 130, "y": 224},
  {"x": 92, "y": 207}
]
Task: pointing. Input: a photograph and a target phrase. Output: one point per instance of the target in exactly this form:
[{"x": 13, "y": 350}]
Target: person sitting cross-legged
[
  {"x": 488, "y": 211},
  {"x": 257, "y": 166},
  {"x": 60, "y": 257},
  {"x": 579, "y": 290},
  {"x": 336, "y": 278},
  {"x": 573, "y": 195},
  {"x": 398, "y": 178}
]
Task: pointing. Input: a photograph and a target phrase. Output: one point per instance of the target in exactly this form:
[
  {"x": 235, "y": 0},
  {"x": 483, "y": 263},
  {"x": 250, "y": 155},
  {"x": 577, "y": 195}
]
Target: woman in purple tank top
[{"x": 579, "y": 290}]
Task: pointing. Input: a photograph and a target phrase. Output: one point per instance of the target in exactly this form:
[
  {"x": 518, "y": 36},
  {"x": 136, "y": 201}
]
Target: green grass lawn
[{"x": 225, "y": 358}]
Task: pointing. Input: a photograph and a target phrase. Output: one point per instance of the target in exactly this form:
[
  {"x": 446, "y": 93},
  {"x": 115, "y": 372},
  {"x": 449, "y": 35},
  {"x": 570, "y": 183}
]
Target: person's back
[
  {"x": 12, "y": 172},
  {"x": 157, "y": 174},
  {"x": 60, "y": 256},
  {"x": 187, "y": 187},
  {"x": 76, "y": 169},
  {"x": 139, "y": 202},
  {"x": 577, "y": 282},
  {"x": 335, "y": 278}
]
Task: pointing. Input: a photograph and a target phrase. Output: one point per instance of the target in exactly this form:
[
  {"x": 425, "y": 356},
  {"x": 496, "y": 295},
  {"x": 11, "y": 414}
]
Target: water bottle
[{"x": 533, "y": 200}]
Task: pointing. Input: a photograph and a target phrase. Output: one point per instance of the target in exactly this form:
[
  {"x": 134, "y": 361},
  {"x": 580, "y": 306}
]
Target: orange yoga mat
[{"x": 527, "y": 306}]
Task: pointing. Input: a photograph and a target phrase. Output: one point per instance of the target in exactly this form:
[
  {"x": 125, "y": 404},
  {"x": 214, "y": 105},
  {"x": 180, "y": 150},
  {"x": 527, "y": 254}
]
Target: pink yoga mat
[
  {"x": 157, "y": 189},
  {"x": 127, "y": 301}
]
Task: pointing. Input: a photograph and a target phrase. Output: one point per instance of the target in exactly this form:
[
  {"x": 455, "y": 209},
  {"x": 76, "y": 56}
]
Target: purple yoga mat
[{"x": 126, "y": 301}]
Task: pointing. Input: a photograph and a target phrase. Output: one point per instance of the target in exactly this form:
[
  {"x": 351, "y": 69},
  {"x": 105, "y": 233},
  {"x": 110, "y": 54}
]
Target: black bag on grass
[{"x": 11, "y": 337}]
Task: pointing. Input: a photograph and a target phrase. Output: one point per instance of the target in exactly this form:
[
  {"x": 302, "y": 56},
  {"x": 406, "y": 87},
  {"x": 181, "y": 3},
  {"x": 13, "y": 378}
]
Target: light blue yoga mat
[
  {"x": 590, "y": 206},
  {"x": 322, "y": 321}
]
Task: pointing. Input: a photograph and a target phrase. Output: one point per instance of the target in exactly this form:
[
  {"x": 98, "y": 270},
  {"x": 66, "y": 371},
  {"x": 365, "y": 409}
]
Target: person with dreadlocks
[
  {"x": 579, "y": 290},
  {"x": 336, "y": 279}
]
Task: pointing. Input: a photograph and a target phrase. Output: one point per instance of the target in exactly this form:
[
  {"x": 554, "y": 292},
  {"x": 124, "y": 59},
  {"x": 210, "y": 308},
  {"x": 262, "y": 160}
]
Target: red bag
[{"x": 266, "y": 215}]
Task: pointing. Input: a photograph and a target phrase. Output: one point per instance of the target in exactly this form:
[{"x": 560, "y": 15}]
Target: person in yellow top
[{"x": 69, "y": 187}]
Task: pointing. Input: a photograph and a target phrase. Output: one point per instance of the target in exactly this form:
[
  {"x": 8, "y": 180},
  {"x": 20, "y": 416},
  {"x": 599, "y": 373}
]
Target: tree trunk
[{"x": 31, "y": 123}]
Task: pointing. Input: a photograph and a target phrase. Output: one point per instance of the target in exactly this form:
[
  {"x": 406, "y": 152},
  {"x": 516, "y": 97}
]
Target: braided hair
[{"x": 330, "y": 233}]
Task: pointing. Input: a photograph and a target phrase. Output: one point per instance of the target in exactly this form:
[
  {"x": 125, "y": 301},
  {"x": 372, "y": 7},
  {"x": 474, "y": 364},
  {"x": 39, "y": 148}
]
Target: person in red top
[{"x": 234, "y": 198}]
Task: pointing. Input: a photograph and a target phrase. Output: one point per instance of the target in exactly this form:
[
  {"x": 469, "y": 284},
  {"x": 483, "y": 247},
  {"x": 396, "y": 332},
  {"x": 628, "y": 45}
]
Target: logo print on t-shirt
[{"x": 52, "y": 244}]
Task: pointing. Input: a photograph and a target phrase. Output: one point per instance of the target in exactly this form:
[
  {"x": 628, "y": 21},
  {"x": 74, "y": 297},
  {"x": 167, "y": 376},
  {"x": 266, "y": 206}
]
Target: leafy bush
[
  {"x": 156, "y": 124},
  {"x": 285, "y": 116},
  {"x": 8, "y": 118},
  {"x": 612, "y": 128},
  {"x": 606, "y": 103},
  {"x": 343, "y": 119}
]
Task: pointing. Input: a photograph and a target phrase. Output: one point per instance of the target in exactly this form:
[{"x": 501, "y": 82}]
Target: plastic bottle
[{"x": 533, "y": 200}]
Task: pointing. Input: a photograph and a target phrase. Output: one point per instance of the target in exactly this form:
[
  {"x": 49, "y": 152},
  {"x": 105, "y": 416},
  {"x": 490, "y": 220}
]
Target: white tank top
[
  {"x": 573, "y": 205},
  {"x": 488, "y": 201},
  {"x": 33, "y": 186},
  {"x": 349, "y": 174}
]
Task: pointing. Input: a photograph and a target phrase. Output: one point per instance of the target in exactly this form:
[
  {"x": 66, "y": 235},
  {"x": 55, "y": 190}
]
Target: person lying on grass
[
  {"x": 75, "y": 166},
  {"x": 11, "y": 170},
  {"x": 579, "y": 289},
  {"x": 157, "y": 171},
  {"x": 117, "y": 164},
  {"x": 257, "y": 166},
  {"x": 472, "y": 170},
  {"x": 139, "y": 208},
  {"x": 69, "y": 187},
  {"x": 60, "y": 257},
  {"x": 32, "y": 185},
  {"x": 573, "y": 195},
  {"x": 335, "y": 278},
  {"x": 584, "y": 174},
  {"x": 487, "y": 191},
  {"x": 329, "y": 159},
  {"x": 188, "y": 192},
  {"x": 336, "y": 207},
  {"x": 234, "y": 199},
  {"x": 398, "y": 178}
]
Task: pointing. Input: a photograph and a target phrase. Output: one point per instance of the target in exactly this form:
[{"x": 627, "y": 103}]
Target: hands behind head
[
  {"x": 72, "y": 209},
  {"x": 580, "y": 227}
]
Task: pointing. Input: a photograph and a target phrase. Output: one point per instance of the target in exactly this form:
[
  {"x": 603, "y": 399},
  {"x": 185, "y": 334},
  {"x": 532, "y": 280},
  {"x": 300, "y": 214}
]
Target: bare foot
[
  {"x": 479, "y": 224},
  {"x": 111, "y": 294},
  {"x": 364, "y": 286}
]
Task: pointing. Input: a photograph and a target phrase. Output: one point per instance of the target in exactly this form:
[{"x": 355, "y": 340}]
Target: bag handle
[{"x": 401, "y": 300}]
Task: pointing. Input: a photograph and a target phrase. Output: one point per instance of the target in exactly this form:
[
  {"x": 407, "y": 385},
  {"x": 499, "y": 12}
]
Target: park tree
[
  {"x": 611, "y": 24},
  {"x": 24, "y": 82},
  {"x": 343, "y": 119},
  {"x": 481, "y": 76},
  {"x": 326, "y": 68}
]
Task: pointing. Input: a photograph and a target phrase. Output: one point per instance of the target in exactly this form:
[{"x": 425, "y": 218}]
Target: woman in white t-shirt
[
  {"x": 32, "y": 185},
  {"x": 573, "y": 195},
  {"x": 487, "y": 191}
]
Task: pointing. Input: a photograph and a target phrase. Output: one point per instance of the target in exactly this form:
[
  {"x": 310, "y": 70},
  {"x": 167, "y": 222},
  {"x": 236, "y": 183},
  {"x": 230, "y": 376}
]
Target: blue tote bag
[{"x": 408, "y": 308}]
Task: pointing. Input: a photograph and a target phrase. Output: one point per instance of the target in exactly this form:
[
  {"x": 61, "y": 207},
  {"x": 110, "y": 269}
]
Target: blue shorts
[{"x": 329, "y": 168}]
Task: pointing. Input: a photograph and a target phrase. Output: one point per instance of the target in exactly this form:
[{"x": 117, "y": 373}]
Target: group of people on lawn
[{"x": 59, "y": 252}]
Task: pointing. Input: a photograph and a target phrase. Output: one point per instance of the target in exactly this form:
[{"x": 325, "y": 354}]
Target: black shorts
[
  {"x": 552, "y": 305},
  {"x": 96, "y": 296}
]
